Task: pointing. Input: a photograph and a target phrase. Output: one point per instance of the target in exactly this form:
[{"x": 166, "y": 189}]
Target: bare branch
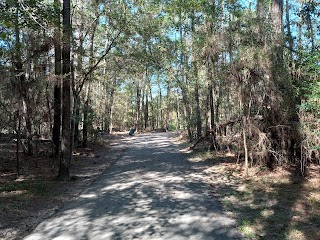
[{"x": 98, "y": 62}]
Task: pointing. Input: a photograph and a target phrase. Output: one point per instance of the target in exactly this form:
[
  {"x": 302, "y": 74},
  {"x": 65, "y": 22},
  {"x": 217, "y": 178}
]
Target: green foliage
[
  {"x": 310, "y": 89},
  {"x": 172, "y": 126},
  {"x": 32, "y": 14},
  {"x": 36, "y": 187},
  {"x": 40, "y": 188},
  {"x": 12, "y": 186},
  {"x": 246, "y": 229}
]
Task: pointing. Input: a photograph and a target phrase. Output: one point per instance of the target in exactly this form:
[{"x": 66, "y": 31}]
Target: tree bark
[
  {"x": 18, "y": 131},
  {"x": 289, "y": 33},
  {"x": 86, "y": 107},
  {"x": 138, "y": 107},
  {"x": 146, "y": 110},
  {"x": 111, "y": 104},
  {"x": 57, "y": 85},
  {"x": 196, "y": 90},
  {"x": 86, "y": 118},
  {"x": 183, "y": 82},
  {"x": 244, "y": 135},
  {"x": 76, "y": 120},
  {"x": 283, "y": 102},
  {"x": 65, "y": 157},
  {"x": 198, "y": 112},
  {"x": 142, "y": 107},
  {"x": 153, "y": 118},
  {"x": 76, "y": 94},
  {"x": 210, "y": 106},
  {"x": 168, "y": 109},
  {"x": 160, "y": 110},
  {"x": 21, "y": 79}
]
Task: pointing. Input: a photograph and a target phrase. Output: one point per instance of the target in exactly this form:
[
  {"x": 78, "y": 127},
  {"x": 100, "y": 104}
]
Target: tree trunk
[
  {"x": 196, "y": 90},
  {"x": 183, "y": 83},
  {"x": 198, "y": 112},
  {"x": 282, "y": 100},
  {"x": 86, "y": 122},
  {"x": 212, "y": 112},
  {"x": 178, "y": 113},
  {"x": 76, "y": 93},
  {"x": 168, "y": 109},
  {"x": 142, "y": 108},
  {"x": 261, "y": 12},
  {"x": 153, "y": 119},
  {"x": 26, "y": 110},
  {"x": 160, "y": 110},
  {"x": 18, "y": 131},
  {"x": 146, "y": 93},
  {"x": 300, "y": 47},
  {"x": 310, "y": 29},
  {"x": 210, "y": 106},
  {"x": 146, "y": 110},
  {"x": 138, "y": 107},
  {"x": 244, "y": 111},
  {"x": 187, "y": 113},
  {"x": 86, "y": 107},
  {"x": 208, "y": 119},
  {"x": 65, "y": 157},
  {"x": 111, "y": 104},
  {"x": 76, "y": 119},
  {"x": 21, "y": 78},
  {"x": 244, "y": 135},
  {"x": 57, "y": 86},
  {"x": 107, "y": 104},
  {"x": 276, "y": 12},
  {"x": 289, "y": 33}
]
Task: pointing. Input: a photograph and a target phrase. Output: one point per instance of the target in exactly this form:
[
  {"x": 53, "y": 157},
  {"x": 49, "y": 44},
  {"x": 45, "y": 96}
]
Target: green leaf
[{"x": 3, "y": 36}]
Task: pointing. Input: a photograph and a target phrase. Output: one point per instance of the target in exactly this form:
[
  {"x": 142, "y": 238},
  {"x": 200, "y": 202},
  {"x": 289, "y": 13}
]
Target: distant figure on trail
[{"x": 131, "y": 132}]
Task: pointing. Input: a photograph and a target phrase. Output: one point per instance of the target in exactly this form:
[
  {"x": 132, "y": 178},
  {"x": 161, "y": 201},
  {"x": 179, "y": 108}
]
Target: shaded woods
[{"x": 241, "y": 76}]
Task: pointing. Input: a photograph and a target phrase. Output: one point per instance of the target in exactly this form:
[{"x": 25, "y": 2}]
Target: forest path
[{"x": 152, "y": 192}]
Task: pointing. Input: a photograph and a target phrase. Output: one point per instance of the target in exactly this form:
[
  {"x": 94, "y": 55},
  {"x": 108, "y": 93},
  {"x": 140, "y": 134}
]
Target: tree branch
[
  {"x": 97, "y": 63},
  {"x": 289, "y": 48}
]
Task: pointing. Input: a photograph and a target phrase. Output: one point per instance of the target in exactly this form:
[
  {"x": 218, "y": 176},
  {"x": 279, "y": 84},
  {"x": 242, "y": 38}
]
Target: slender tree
[
  {"x": 57, "y": 86},
  {"x": 65, "y": 158}
]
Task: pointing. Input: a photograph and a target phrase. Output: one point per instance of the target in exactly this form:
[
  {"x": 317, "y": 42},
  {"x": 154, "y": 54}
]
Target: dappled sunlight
[
  {"x": 61, "y": 237},
  {"x": 76, "y": 221},
  {"x": 148, "y": 194},
  {"x": 119, "y": 186},
  {"x": 13, "y": 193},
  {"x": 267, "y": 213},
  {"x": 196, "y": 159},
  {"x": 185, "y": 150},
  {"x": 92, "y": 195},
  {"x": 267, "y": 205},
  {"x": 296, "y": 235}
]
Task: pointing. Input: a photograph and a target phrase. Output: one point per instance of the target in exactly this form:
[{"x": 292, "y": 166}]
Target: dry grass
[
  {"x": 36, "y": 194},
  {"x": 267, "y": 205}
]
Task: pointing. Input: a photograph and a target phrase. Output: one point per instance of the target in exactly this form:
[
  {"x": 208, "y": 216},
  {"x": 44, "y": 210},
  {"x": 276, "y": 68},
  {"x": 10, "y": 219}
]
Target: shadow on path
[
  {"x": 271, "y": 206},
  {"x": 152, "y": 192}
]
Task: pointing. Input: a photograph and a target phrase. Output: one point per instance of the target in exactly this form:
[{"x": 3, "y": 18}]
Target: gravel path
[{"x": 152, "y": 192}]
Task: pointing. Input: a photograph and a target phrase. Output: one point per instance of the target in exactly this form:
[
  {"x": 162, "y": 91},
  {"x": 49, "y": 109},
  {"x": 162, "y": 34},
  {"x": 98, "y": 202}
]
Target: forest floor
[
  {"x": 152, "y": 192},
  {"x": 279, "y": 204},
  {"x": 266, "y": 205},
  {"x": 36, "y": 194}
]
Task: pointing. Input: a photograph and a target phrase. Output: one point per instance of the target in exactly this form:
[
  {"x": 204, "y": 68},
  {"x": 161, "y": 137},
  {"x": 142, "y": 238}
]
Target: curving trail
[{"x": 152, "y": 192}]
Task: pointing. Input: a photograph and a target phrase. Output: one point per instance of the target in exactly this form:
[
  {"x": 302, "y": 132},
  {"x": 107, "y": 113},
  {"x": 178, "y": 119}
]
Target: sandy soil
[
  {"x": 152, "y": 192},
  {"x": 36, "y": 194},
  {"x": 267, "y": 205}
]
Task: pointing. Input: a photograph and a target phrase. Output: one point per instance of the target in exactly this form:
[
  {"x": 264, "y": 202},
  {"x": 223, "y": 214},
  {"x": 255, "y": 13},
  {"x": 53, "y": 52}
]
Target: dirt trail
[{"x": 151, "y": 192}]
